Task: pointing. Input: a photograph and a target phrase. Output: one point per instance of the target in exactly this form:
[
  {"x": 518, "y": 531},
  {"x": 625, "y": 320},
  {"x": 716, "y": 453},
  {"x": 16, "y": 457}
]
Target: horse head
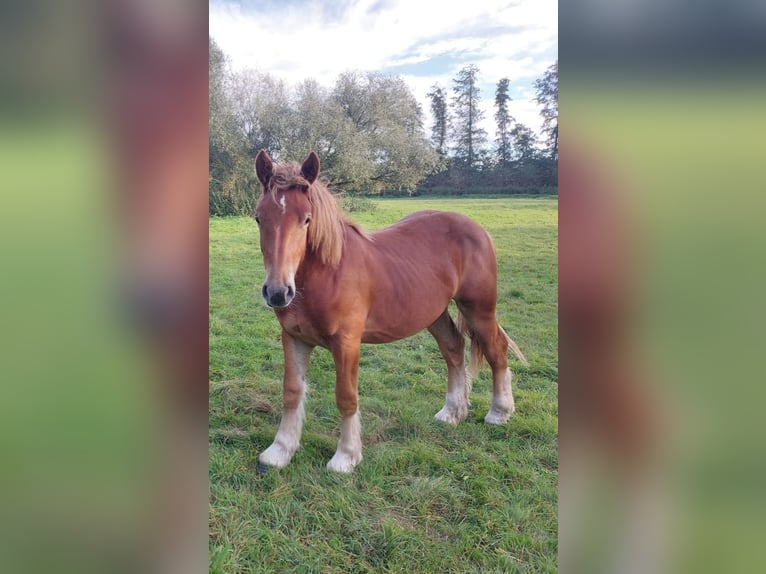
[{"x": 284, "y": 214}]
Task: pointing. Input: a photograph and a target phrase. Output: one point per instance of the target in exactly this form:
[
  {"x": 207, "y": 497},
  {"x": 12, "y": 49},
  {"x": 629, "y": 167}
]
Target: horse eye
[
  {"x": 308, "y": 220},
  {"x": 257, "y": 220}
]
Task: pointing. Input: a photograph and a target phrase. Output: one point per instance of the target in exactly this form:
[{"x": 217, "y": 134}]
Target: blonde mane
[{"x": 326, "y": 231}]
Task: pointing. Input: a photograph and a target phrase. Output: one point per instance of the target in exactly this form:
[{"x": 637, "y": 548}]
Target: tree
[
  {"x": 313, "y": 123},
  {"x": 352, "y": 93},
  {"x": 547, "y": 96},
  {"x": 231, "y": 187},
  {"x": 386, "y": 147},
  {"x": 217, "y": 105},
  {"x": 468, "y": 135},
  {"x": 261, "y": 109},
  {"x": 221, "y": 123},
  {"x": 368, "y": 130},
  {"x": 438, "y": 98},
  {"x": 401, "y": 152},
  {"x": 504, "y": 120},
  {"x": 524, "y": 142}
]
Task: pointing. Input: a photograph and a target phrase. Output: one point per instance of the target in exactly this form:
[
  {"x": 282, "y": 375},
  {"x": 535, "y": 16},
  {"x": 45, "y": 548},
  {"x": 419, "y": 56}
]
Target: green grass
[{"x": 427, "y": 497}]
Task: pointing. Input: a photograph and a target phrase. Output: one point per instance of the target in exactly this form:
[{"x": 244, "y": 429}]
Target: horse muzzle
[{"x": 278, "y": 296}]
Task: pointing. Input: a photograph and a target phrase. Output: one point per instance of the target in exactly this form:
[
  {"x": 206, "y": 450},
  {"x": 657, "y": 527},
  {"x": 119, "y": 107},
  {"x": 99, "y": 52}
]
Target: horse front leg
[
  {"x": 349, "y": 452},
  {"x": 288, "y": 437}
]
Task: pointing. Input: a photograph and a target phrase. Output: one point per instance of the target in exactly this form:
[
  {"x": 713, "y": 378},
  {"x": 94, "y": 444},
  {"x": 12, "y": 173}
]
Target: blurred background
[
  {"x": 661, "y": 269},
  {"x": 103, "y": 286},
  {"x": 103, "y": 281}
]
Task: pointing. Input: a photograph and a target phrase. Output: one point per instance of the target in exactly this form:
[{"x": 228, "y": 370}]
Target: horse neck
[{"x": 312, "y": 264}]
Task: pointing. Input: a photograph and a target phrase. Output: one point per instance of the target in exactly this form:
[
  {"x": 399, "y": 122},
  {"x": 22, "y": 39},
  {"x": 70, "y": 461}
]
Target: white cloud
[{"x": 297, "y": 40}]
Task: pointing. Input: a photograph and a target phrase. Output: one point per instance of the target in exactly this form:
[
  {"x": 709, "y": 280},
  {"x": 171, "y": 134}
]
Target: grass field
[{"x": 427, "y": 497}]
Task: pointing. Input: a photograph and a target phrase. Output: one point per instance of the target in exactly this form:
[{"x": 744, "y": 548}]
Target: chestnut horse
[{"x": 331, "y": 284}]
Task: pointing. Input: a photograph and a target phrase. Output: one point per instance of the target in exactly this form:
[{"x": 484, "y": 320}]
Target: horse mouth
[{"x": 278, "y": 298}]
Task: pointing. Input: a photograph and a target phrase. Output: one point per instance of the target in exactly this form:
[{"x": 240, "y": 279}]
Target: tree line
[
  {"x": 368, "y": 129},
  {"x": 517, "y": 162}
]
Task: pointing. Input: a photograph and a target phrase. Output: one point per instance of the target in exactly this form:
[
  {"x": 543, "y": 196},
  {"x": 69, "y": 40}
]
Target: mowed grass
[{"x": 427, "y": 497}]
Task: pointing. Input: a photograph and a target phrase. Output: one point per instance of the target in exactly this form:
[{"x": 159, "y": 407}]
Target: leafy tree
[
  {"x": 261, "y": 109},
  {"x": 352, "y": 93},
  {"x": 231, "y": 186},
  {"x": 217, "y": 105},
  {"x": 368, "y": 131},
  {"x": 504, "y": 120},
  {"x": 468, "y": 135},
  {"x": 547, "y": 96},
  {"x": 401, "y": 153},
  {"x": 221, "y": 123},
  {"x": 383, "y": 143},
  {"x": 313, "y": 122},
  {"x": 438, "y": 98}
]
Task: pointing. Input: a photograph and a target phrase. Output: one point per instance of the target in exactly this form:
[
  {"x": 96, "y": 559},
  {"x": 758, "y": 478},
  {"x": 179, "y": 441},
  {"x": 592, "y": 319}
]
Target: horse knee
[{"x": 292, "y": 397}]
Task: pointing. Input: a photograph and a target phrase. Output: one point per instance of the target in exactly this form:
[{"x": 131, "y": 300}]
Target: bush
[
  {"x": 356, "y": 203},
  {"x": 232, "y": 185}
]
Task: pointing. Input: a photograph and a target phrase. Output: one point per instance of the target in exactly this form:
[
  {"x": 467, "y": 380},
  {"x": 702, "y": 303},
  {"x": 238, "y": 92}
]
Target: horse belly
[
  {"x": 415, "y": 267},
  {"x": 395, "y": 321}
]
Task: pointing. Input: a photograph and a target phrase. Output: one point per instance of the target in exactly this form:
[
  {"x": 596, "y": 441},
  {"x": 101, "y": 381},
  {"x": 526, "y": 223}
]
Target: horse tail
[
  {"x": 477, "y": 356},
  {"x": 514, "y": 348}
]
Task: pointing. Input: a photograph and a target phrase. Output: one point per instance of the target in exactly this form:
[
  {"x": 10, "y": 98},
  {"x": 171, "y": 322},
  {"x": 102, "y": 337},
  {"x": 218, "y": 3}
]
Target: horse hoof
[
  {"x": 262, "y": 468},
  {"x": 497, "y": 417},
  {"x": 451, "y": 416},
  {"x": 342, "y": 463}
]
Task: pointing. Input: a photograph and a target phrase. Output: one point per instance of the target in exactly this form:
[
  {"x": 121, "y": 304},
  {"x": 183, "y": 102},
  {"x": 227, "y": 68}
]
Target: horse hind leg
[
  {"x": 488, "y": 339},
  {"x": 452, "y": 346}
]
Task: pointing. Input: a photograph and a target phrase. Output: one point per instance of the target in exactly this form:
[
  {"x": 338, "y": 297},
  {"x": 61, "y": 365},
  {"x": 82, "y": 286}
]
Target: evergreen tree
[
  {"x": 504, "y": 120},
  {"x": 468, "y": 135},
  {"x": 438, "y": 98},
  {"x": 523, "y": 142},
  {"x": 548, "y": 97}
]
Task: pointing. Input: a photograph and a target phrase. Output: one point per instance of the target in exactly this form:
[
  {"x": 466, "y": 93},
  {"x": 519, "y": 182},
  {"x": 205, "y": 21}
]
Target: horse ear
[
  {"x": 310, "y": 167},
  {"x": 264, "y": 168}
]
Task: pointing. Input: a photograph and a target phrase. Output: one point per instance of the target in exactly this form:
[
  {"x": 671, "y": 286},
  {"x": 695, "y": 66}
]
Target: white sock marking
[
  {"x": 455, "y": 408},
  {"x": 287, "y": 440},
  {"x": 349, "y": 452},
  {"x": 502, "y": 405}
]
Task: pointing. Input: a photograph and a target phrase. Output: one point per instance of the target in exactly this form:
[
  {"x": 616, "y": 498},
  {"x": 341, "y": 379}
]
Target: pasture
[{"x": 427, "y": 497}]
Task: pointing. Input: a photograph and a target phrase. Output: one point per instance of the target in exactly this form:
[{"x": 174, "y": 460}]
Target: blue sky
[{"x": 423, "y": 41}]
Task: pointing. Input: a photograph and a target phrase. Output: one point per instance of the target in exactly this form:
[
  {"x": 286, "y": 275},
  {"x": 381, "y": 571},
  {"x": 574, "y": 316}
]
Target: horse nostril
[
  {"x": 264, "y": 292},
  {"x": 290, "y": 291}
]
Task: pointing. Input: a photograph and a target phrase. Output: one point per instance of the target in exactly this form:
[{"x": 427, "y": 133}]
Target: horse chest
[{"x": 300, "y": 326}]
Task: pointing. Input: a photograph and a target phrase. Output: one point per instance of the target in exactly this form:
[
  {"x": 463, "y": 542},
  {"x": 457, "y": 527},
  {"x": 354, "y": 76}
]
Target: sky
[{"x": 422, "y": 41}]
